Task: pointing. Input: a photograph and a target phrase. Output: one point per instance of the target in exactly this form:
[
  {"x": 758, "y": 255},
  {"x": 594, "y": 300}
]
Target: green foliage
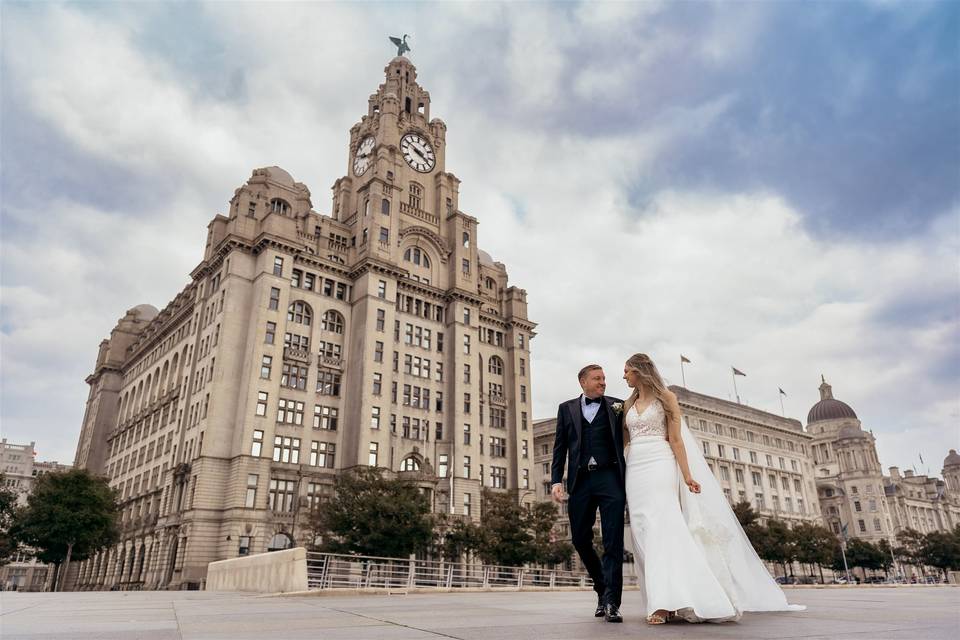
[
  {"x": 69, "y": 515},
  {"x": 8, "y": 505},
  {"x": 863, "y": 554},
  {"x": 372, "y": 515},
  {"x": 457, "y": 538},
  {"x": 745, "y": 514},
  {"x": 814, "y": 545},
  {"x": 503, "y": 523},
  {"x": 909, "y": 546},
  {"x": 941, "y": 549}
]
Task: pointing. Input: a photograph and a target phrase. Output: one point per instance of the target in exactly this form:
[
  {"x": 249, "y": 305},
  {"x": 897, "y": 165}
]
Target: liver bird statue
[{"x": 402, "y": 45}]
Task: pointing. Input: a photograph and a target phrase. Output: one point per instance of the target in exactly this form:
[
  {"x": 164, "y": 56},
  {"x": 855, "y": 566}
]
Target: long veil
[{"x": 729, "y": 553}]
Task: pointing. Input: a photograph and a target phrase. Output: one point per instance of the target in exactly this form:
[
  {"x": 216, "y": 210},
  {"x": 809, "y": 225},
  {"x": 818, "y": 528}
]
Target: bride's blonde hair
[{"x": 643, "y": 366}]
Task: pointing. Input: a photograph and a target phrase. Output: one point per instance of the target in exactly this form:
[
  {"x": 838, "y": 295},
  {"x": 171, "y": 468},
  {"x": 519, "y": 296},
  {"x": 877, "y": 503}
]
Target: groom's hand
[{"x": 557, "y": 493}]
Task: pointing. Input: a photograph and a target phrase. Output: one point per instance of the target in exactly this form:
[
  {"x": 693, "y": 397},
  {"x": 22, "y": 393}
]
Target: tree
[
  {"x": 941, "y": 549},
  {"x": 8, "y": 505},
  {"x": 69, "y": 516},
  {"x": 458, "y": 538},
  {"x": 908, "y": 548},
  {"x": 814, "y": 546},
  {"x": 861, "y": 553},
  {"x": 503, "y": 525},
  {"x": 371, "y": 515},
  {"x": 749, "y": 520},
  {"x": 746, "y": 516},
  {"x": 776, "y": 544},
  {"x": 547, "y": 550},
  {"x": 886, "y": 555}
]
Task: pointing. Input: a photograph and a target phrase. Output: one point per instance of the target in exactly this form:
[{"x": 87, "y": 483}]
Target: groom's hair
[{"x": 587, "y": 369}]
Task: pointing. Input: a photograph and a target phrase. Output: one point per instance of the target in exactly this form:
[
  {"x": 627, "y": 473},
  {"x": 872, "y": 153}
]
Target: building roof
[
  {"x": 851, "y": 431},
  {"x": 952, "y": 459},
  {"x": 829, "y": 408}
]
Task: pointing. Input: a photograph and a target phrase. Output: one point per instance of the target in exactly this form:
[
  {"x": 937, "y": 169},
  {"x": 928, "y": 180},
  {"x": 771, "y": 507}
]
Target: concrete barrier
[{"x": 273, "y": 572}]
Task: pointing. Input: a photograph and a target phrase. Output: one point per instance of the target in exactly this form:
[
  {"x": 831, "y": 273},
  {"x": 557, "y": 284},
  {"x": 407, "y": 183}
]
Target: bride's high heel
[{"x": 656, "y": 618}]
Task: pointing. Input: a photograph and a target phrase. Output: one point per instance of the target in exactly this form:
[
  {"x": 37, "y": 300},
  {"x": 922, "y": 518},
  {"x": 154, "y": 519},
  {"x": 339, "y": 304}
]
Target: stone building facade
[
  {"x": 306, "y": 344},
  {"x": 850, "y": 480}
]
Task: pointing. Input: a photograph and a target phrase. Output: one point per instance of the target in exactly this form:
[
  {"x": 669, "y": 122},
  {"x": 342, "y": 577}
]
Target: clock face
[
  {"x": 364, "y": 156},
  {"x": 418, "y": 153}
]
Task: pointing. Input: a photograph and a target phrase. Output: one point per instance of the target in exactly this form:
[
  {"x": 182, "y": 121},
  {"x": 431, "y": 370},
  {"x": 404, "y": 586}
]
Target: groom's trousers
[{"x": 600, "y": 489}]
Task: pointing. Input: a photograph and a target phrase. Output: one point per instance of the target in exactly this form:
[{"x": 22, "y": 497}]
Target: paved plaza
[{"x": 914, "y": 613}]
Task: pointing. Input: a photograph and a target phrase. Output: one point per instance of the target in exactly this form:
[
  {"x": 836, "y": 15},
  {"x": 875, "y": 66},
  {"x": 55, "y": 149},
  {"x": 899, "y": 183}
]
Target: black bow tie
[{"x": 589, "y": 401}]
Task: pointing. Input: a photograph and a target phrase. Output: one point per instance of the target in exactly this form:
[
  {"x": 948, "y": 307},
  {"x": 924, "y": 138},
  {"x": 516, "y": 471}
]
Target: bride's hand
[{"x": 692, "y": 484}]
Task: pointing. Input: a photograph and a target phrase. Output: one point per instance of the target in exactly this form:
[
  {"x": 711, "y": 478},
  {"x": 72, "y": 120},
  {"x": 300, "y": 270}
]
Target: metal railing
[{"x": 332, "y": 571}]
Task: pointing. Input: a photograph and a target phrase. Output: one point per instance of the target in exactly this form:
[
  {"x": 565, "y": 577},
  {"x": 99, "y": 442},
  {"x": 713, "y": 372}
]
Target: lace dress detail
[{"x": 652, "y": 422}]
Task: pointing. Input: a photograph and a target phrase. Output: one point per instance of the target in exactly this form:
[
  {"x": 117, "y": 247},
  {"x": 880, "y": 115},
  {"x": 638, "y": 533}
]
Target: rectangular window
[
  {"x": 382, "y": 289},
  {"x": 274, "y": 303},
  {"x": 465, "y": 266},
  {"x": 769, "y": 460},
  {"x": 757, "y": 480},
  {"x": 466, "y": 467},
  {"x": 523, "y": 393},
  {"x": 257, "y": 447},
  {"x": 265, "y": 364},
  {"x": 525, "y": 479},
  {"x": 524, "y": 452},
  {"x": 523, "y": 367},
  {"x": 378, "y": 352},
  {"x": 772, "y": 481},
  {"x": 753, "y": 457},
  {"x": 328, "y": 382},
  {"x": 297, "y": 278},
  {"x": 372, "y": 458},
  {"x": 243, "y": 549},
  {"x": 466, "y": 345},
  {"x": 308, "y": 281},
  {"x": 466, "y": 403},
  {"x": 443, "y": 465},
  {"x": 251, "y": 499},
  {"x": 271, "y": 333},
  {"x": 290, "y": 412},
  {"x": 439, "y": 342},
  {"x": 466, "y": 435},
  {"x": 293, "y": 376},
  {"x": 322, "y": 454},
  {"x": 862, "y": 525},
  {"x": 286, "y": 449},
  {"x": 466, "y": 374},
  {"x": 466, "y": 504},
  {"x": 720, "y": 452},
  {"x": 736, "y": 453},
  {"x": 261, "y": 403},
  {"x": 384, "y": 235},
  {"x": 738, "y": 474},
  {"x": 375, "y": 418},
  {"x": 377, "y": 383},
  {"x": 281, "y": 496},
  {"x": 706, "y": 448},
  {"x": 724, "y": 473},
  {"x": 325, "y": 417},
  {"x": 498, "y": 477},
  {"x": 782, "y": 463},
  {"x": 466, "y": 315},
  {"x": 381, "y": 319}
]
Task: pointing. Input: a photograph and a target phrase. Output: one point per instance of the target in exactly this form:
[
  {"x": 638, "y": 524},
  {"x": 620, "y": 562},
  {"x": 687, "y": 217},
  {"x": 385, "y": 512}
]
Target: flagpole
[
  {"x": 735, "y": 392},
  {"x": 682, "y": 374},
  {"x": 782, "y": 410}
]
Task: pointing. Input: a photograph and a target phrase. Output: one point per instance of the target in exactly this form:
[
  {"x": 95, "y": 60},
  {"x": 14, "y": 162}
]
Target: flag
[
  {"x": 737, "y": 372},
  {"x": 782, "y": 392},
  {"x": 921, "y": 458},
  {"x": 843, "y": 530},
  {"x": 684, "y": 358}
]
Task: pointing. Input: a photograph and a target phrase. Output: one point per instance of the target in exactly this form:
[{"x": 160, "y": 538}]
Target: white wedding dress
[{"x": 691, "y": 554}]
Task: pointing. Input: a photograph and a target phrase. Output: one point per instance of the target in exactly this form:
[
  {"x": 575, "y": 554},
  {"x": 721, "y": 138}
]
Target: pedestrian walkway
[{"x": 907, "y": 613}]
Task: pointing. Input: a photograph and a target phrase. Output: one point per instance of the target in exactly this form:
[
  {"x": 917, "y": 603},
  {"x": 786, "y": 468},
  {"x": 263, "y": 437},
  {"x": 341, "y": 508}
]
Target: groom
[{"x": 590, "y": 437}]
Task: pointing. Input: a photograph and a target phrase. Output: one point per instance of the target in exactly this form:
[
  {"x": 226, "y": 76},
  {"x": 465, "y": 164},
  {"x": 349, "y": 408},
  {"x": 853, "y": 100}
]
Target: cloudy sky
[{"x": 772, "y": 186}]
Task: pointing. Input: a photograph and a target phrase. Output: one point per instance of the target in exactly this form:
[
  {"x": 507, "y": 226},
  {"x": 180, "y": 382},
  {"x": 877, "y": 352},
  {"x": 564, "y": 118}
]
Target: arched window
[
  {"x": 416, "y": 195},
  {"x": 417, "y": 257},
  {"x": 490, "y": 283},
  {"x": 279, "y": 542},
  {"x": 410, "y": 464},
  {"x": 385, "y": 207},
  {"x": 300, "y": 313},
  {"x": 495, "y": 366},
  {"x": 332, "y": 321},
  {"x": 279, "y": 206},
  {"x": 466, "y": 239}
]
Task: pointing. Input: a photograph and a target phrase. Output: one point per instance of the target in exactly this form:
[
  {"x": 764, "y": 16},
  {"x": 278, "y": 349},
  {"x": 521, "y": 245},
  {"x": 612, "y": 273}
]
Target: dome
[
  {"x": 279, "y": 175},
  {"x": 145, "y": 311},
  {"x": 953, "y": 459},
  {"x": 830, "y": 409},
  {"x": 485, "y": 258}
]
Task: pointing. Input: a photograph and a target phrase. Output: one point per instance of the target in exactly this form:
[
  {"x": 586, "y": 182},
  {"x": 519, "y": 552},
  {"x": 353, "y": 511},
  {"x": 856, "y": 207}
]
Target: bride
[{"x": 692, "y": 558}]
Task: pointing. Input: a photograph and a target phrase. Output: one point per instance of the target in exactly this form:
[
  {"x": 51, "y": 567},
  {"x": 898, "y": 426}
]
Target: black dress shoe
[
  {"x": 611, "y": 613},
  {"x": 599, "y": 612}
]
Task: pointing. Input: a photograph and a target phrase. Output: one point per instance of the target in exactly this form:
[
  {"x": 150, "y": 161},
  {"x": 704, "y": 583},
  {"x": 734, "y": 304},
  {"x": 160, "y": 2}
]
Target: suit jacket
[{"x": 566, "y": 444}]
